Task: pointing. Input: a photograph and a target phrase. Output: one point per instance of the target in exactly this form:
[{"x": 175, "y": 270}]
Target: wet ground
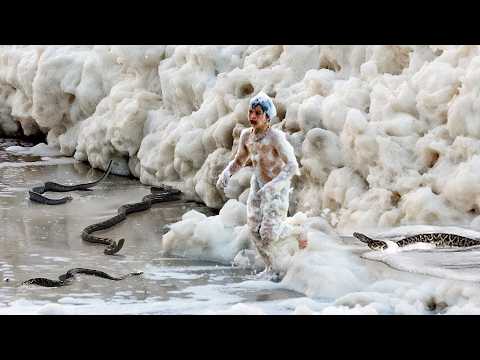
[{"x": 44, "y": 241}]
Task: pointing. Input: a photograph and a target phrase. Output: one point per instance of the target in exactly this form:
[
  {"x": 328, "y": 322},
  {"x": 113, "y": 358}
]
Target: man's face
[{"x": 257, "y": 117}]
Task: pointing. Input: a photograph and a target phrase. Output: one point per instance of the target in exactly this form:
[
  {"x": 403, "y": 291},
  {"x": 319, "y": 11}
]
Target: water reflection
[{"x": 8, "y": 156}]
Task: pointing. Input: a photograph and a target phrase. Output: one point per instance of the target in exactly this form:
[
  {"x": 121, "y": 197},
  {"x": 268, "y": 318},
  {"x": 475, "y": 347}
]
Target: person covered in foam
[{"x": 274, "y": 163}]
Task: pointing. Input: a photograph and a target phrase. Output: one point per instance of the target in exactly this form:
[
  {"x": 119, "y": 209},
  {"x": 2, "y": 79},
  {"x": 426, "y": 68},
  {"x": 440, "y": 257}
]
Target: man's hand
[
  {"x": 302, "y": 243},
  {"x": 222, "y": 181},
  {"x": 268, "y": 187}
]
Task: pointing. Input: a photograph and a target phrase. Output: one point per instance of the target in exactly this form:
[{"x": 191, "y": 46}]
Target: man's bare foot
[{"x": 269, "y": 274}]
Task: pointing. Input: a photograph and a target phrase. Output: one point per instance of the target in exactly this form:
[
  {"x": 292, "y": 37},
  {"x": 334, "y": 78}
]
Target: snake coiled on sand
[
  {"x": 36, "y": 192},
  {"x": 157, "y": 195},
  {"x": 65, "y": 279}
]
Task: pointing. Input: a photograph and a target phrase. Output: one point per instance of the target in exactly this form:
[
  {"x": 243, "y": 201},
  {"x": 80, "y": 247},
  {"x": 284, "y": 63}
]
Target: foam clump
[
  {"x": 215, "y": 238},
  {"x": 41, "y": 149},
  {"x": 325, "y": 268},
  {"x": 239, "y": 309}
]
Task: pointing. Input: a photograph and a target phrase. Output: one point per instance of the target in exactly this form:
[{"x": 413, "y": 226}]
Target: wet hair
[{"x": 264, "y": 101}]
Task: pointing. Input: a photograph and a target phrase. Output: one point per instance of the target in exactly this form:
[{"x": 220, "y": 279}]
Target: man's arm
[
  {"x": 238, "y": 162},
  {"x": 287, "y": 154}
]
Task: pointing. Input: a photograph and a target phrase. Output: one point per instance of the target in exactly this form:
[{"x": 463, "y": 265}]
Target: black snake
[
  {"x": 65, "y": 279},
  {"x": 36, "y": 192},
  {"x": 438, "y": 239},
  {"x": 157, "y": 195}
]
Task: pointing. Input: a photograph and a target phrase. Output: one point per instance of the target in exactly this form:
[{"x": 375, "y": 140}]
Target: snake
[
  {"x": 35, "y": 193},
  {"x": 65, "y": 279},
  {"x": 157, "y": 194},
  {"x": 437, "y": 239}
]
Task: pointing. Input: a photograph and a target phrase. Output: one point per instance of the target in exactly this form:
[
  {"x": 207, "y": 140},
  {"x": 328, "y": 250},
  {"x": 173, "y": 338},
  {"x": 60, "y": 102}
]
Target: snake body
[
  {"x": 65, "y": 279},
  {"x": 157, "y": 195},
  {"x": 438, "y": 239},
  {"x": 36, "y": 192}
]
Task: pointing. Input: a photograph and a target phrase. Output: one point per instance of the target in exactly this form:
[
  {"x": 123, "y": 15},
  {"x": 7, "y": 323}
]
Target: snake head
[
  {"x": 114, "y": 248},
  {"x": 372, "y": 244},
  {"x": 109, "y": 250}
]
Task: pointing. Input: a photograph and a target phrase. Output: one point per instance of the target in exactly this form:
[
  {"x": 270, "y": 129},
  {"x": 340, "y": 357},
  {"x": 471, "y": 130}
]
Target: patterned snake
[
  {"x": 157, "y": 195},
  {"x": 438, "y": 239},
  {"x": 36, "y": 192},
  {"x": 65, "y": 279}
]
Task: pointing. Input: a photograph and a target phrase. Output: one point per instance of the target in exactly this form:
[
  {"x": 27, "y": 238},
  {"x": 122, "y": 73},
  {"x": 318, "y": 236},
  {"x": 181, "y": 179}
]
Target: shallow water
[{"x": 44, "y": 241}]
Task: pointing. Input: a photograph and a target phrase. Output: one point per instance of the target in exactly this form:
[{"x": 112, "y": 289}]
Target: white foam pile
[
  {"x": 37, "y": 150},
  {"x": 386, "y": 136}
]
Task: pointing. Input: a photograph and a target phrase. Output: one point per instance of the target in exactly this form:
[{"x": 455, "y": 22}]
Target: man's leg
[
  {"x": 254, "y": 219},
  {"x": 274, "y": 211}
]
